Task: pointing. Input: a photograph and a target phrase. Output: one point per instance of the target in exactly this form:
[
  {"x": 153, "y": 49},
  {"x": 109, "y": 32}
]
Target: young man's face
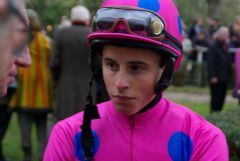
[
  {"x": 130, "y": 75},
  {"x": 13, "y": 50}
]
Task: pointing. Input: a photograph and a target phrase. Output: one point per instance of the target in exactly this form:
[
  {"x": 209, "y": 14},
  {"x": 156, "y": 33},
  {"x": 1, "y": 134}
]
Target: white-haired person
[
  {"x": 13, "y": 53},
  {"x": 69, "y": 64},
  {"x": 219, "y": 68},
  {"x": 32, "y": 100}
]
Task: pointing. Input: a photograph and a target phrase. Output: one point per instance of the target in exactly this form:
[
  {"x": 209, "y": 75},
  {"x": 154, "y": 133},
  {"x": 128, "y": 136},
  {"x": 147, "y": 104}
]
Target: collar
[
  {"x": 153, "y": 110},
  {"x": 151, "y": 104}
]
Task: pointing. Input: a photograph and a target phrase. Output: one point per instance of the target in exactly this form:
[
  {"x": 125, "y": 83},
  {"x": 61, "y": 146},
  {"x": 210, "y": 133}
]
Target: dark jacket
[
  {"x": 219, "y": 62},
  {"x": 70, "y": 69}
]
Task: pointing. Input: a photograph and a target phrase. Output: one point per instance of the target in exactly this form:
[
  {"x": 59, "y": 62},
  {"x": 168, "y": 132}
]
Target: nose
[
  {"x": 122, "y": 81},
  {"x": 24, "y": 60}
]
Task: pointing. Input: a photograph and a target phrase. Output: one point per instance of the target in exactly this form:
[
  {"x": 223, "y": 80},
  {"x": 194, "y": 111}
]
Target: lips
[
  {"x": 10, "y": 80},
  {"x": 12, "y": 76},
  {"x": 122, "y": 98},
  {"x": 13, "y": 73}
]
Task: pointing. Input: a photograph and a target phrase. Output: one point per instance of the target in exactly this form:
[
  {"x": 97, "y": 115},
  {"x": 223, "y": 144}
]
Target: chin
[
  {"x": 125, "y": 110},
  {"x": 3, "y": 91}
]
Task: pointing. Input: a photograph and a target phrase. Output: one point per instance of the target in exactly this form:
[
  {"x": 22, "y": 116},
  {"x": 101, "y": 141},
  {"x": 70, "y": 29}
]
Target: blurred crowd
[
  {"x": 57, "y": 80},
  {"x": 215, "y": 49},
  {"x": 203, "y": 32}
]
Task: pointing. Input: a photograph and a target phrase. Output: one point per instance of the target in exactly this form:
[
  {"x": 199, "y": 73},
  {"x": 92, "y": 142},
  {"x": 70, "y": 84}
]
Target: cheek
[
  {"x": 144, "y": 95},
  {"x": 149, "y": 81},
  {"x": 144, "y": 89},
  {"x": 6, "y": 61},
  {"x": 3, "y": 85},
  {"x": 108, "y": 80},
  {"x": 3, "y": 90}
]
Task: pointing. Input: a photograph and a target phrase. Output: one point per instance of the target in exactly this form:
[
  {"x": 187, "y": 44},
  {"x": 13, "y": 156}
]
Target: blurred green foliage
[
  {"x": 50, "y": 11},
  {"x": 228, "y": 122},
  {"x": 225, "y": 10}
]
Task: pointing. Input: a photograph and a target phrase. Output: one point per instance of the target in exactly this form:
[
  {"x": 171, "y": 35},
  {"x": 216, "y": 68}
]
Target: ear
[
  {"x": 160, "y": 72},
  {"x": 166, "y": 76}
]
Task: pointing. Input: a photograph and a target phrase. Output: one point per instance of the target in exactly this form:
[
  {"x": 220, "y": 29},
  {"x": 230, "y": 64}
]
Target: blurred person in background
[
  {"x": 64, "y": 22},
  {"x": 213, "y": 26},
  {"x": 195, "y": 29},
  {"x": 234, "y": 29},
  {"x": 219, "y": 68},
  {"x": 32, "y": 100},
  {"x": 5, "y": 116},
  {"x": 69, "y": 64},
  {"x": 13, "y": 54},
  {"x": 236, "y": 89}
]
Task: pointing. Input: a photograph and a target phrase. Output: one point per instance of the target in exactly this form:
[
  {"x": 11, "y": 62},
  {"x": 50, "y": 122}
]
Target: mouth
[
  {"x": 122, "y": 98},
  {"x": 13, "y": 73},
  {"x": 11, "y": 79}
]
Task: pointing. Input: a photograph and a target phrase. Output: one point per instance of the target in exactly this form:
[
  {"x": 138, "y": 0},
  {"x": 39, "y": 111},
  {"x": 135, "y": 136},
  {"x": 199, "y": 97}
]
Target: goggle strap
[{"x": 175, "y": 41}]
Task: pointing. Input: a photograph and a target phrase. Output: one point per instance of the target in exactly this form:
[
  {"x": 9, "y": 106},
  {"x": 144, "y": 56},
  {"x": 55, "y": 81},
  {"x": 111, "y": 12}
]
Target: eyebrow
[
  {"x": 137, "y": 62},
  {"x": 18, "y": 13},
  {"x": 108, "y": 59}
]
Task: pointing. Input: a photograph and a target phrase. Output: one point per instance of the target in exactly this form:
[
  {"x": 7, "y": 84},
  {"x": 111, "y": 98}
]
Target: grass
[
  {"x": 202, "y": 108},
  {"x": 189, "y": 89},
  {"x": 12, "y": 147}
]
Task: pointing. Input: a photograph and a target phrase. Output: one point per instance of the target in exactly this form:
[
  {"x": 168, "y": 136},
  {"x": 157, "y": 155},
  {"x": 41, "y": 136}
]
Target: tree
[
  {"x": 50, "y": 11},
  {"x": 93, "y": 5},
  {"x": 225, "y": 10},
  {"x": 213, "y": 7}
]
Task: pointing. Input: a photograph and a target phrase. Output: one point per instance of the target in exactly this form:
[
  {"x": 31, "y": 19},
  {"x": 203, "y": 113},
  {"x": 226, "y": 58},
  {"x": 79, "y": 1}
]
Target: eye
[
  {"x": 112, "y": 66},
  {"x": 20, "y": 41},
  {"x": 136, "y": 69}
]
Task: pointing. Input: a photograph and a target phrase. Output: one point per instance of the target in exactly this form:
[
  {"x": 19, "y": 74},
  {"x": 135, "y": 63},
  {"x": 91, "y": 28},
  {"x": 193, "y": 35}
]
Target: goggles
[
  {"x": 14, "y": 26},
  {"x": 137, "y": 22}
]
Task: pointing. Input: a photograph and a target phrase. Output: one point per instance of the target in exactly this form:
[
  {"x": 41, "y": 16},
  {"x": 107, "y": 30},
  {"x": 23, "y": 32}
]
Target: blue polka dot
[
  {"x": 180, "y": 25},
  {"x": 153, "y": 5},
  {"x": 180, "y": 147},
  {"x": 78, "y": 145}
]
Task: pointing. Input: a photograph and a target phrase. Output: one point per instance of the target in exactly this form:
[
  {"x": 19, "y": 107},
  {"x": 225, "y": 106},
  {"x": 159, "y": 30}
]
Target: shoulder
[
  {"x": 69, "y": 125},
  {"x": 190, "y": 119},
  {"x": 73, "y": 123},
  {"x": 208, "y": 141}
]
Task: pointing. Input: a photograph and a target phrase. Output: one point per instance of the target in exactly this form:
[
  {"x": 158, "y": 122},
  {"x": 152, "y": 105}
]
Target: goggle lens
[{"x": 139, "y": 22}]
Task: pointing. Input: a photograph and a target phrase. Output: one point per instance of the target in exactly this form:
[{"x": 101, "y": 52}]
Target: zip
[{"x": 131, "y": 136}]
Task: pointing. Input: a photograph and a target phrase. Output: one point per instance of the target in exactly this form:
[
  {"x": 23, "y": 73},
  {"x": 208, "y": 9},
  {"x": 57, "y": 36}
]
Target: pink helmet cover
[{"x": 166, "y": 9}]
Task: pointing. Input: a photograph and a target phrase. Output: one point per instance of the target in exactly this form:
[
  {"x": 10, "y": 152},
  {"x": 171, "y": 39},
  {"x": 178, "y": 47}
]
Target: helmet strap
[{"x": 90, "y": 112}]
